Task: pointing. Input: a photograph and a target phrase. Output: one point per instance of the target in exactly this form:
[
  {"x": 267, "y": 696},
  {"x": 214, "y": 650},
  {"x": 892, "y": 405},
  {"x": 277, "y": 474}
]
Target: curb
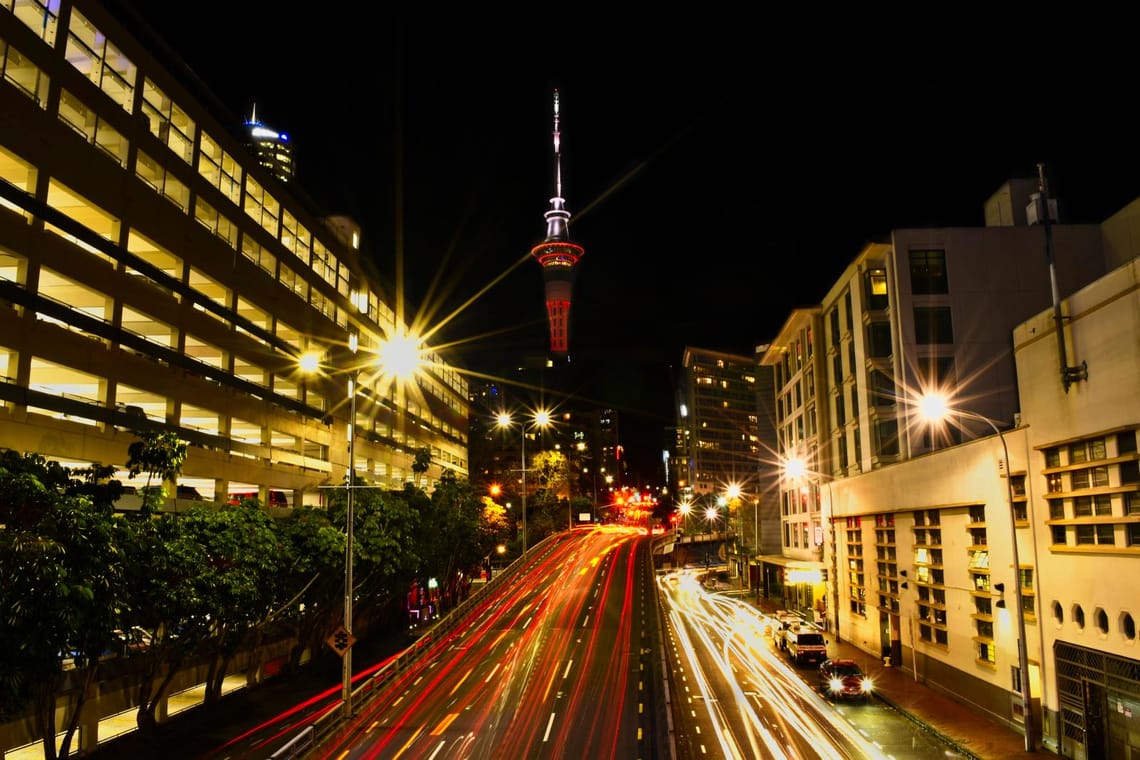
[{"x": 926, "y": 726}]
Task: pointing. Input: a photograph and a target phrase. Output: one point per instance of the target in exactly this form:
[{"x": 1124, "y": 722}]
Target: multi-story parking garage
[{"x": 158, "y": 277}]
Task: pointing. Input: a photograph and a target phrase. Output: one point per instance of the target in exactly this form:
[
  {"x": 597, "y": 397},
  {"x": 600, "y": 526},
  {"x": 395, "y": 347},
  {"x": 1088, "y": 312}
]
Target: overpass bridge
[{"x": 692, "y": 549}]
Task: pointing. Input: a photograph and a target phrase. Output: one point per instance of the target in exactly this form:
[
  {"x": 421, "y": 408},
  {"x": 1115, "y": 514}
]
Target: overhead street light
[
  {"x": 395, "y": 361},
  {"x": 796, "y": 468},
  {"x": 934, "y": 408},
  {"x": 541, "y": 420}
]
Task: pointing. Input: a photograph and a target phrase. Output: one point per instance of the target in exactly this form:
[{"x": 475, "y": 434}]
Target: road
[
  {"x": 737, "y": 696},
  {"x": 584, "y": 651},
  {"x": 556, "y": 663}
]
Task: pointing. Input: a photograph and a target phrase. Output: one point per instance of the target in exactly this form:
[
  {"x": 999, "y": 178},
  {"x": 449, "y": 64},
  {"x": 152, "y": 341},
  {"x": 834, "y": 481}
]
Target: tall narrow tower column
[{"x": 558, "y": 256}]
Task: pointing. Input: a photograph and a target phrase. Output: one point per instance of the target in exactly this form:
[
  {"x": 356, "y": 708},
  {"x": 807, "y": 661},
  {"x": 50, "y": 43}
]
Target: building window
[
  {"x": 1092, "y": 506},
  {"x": 1095, "y": 535},
  {"x": 933, "y": 326},
  {"x": 1092, "y": 477},
  {"x": 876, "y": 283},
  {"x": 882, "y": 389},
  {"x": 887, "y": 437},
  {"x": 879, "y": 340},
  {"x": 928, "y": 272},
  {"x": 1129, "y": 472},
  {"x": 169, "y": 123},
  {"x": 856, "y": 588},
  {"x": 93, "y": 55}
]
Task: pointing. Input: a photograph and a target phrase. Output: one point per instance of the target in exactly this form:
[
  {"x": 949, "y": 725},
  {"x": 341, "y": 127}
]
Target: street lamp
[
  {"x": 732, "y": 502},
  {"x": 685, "y": 507},
  {"x": 934, "y": 408},
  {"x": 541, "y": 420},
  {"x": 796, "y": 468},
  {"x": 397, "y": 359},
  {"x": 346, "y": 663}
]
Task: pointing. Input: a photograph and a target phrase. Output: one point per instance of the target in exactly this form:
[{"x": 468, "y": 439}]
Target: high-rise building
[
  {"x": 722, "y": 454},
  {"x": 273, "y": 149},
  {"x": 718, "y": 409},
  {"x": 558, "y": 256},
  {"x": 157, "y": 277}
]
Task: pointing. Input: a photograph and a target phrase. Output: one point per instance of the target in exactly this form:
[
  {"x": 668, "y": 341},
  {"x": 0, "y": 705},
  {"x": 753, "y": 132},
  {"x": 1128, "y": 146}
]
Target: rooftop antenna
[{"x": 1043, "y": 209}]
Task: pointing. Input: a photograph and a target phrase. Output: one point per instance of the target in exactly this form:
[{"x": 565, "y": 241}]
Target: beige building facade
[{"x": 913, "y": 521}]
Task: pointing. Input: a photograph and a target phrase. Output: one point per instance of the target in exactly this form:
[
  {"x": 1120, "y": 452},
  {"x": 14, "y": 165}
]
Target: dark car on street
[{"x": 844, "y": 679}]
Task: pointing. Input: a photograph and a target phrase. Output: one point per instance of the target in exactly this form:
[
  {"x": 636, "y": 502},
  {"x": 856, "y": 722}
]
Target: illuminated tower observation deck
[{"x": 558, "y": 256}]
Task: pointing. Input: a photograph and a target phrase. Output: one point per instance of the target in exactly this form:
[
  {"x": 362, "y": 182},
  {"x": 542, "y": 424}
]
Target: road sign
[{"x": 341, "y": 640}]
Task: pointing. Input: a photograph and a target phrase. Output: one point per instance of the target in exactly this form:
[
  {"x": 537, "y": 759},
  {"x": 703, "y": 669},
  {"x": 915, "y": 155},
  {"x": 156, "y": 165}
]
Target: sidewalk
[{"x": 975, "y": 735}]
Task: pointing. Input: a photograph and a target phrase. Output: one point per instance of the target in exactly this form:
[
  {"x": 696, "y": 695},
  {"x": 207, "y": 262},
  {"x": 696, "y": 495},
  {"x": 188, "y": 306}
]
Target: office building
[
  {"x": 273, "y": 149},
  {"x": 722, "y": 456}
]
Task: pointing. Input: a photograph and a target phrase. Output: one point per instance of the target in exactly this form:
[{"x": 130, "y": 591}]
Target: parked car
[
  {"x": 276, "y": 498},
  {"x": 844, "y": 679},
  {"x": 188, "y": 492},
  {"x": 783, "y": 621}
]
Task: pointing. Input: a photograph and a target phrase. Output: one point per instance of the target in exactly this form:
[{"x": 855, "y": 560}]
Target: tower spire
[
  {"x": 557, "y": 255},
  {"x": 557, "y": 151}
]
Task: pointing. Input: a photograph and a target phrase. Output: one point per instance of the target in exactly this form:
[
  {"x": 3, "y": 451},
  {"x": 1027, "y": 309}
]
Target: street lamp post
[
  {"x": 797, "y": 468},
  {"x": 346, "y": 666},
  {"x": 541, "y": 419},
  {"x": 934, "y": 408},
  {"x": 399, "y": 360},
  {"x": 522, "y": 469}
]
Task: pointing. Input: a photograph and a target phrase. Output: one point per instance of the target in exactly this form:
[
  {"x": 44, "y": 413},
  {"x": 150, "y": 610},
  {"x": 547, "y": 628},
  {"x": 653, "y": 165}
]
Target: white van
[{"x": 805, "y": 645}]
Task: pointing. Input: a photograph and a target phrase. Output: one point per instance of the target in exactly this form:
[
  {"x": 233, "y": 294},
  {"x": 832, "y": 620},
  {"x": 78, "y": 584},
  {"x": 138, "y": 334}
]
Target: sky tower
[{"x": 558, "y": 257}]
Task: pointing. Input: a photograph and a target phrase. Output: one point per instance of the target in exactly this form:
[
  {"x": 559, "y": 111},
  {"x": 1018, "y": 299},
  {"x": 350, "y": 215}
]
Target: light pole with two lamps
[
  {"x": 934, "y": 408},
  {"x": 398, "y": 359},
  {"x": 541, "y": 420},
  {"x": 733, "y": 501}
]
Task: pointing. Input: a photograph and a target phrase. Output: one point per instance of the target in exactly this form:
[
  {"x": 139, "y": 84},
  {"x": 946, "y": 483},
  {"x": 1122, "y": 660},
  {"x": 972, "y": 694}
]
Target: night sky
[{"x": 720, "y": 170}]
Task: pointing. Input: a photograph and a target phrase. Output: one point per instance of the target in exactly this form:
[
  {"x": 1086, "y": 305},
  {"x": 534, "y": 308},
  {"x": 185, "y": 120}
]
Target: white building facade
[{"x": 909, "y": 522}]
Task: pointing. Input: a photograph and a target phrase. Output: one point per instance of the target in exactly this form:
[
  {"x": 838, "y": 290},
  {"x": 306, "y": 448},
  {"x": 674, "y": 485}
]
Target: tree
[
  {"x": 551, "y": 472},
  {"x": 60, "y": 595},
  {"x": 450, "y": 531},
  {"x": 156, "y": 454},
  {"x": 314, "y": 573},
  {"x": 385, "y": 541},
  {"x": 494, "y": 527},
  {"x": 237, "y": 583},
  {"x": 421, "y": 464}
]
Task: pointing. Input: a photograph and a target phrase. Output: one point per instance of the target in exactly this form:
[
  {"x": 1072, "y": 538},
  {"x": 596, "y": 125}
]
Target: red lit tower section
[{"x": 558, "y": 256}]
